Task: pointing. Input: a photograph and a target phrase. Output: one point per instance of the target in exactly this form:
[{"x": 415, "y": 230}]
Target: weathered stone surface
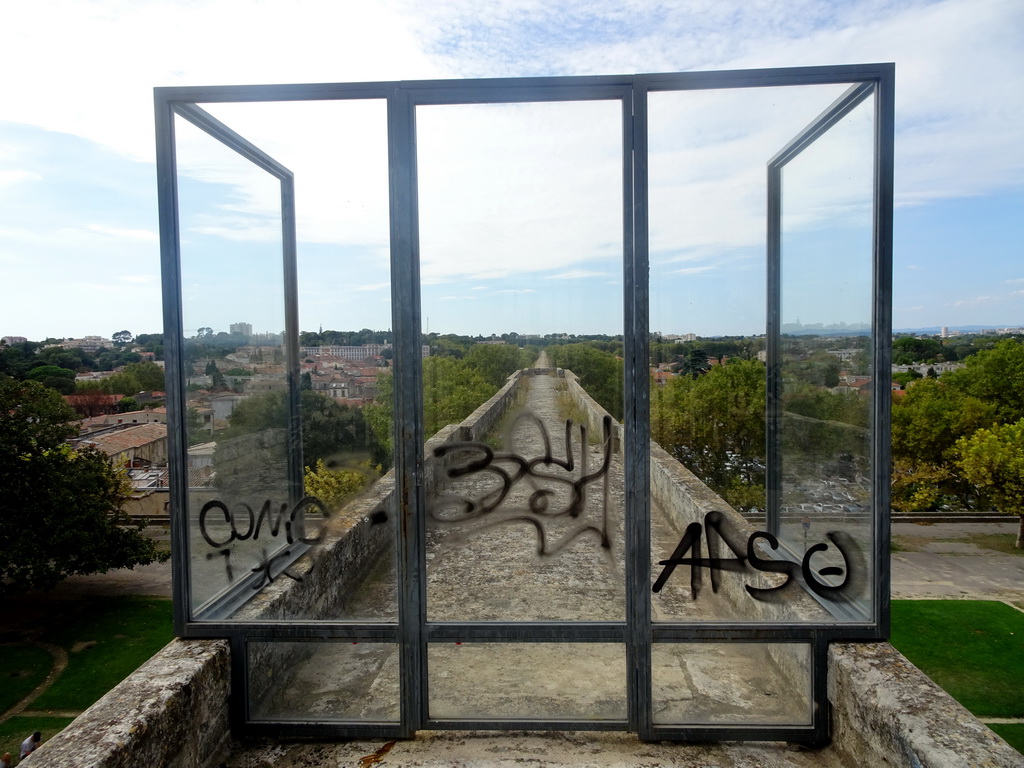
[
  {"x": 885, "y": 711},
  {"x": 170, "y": 713}
]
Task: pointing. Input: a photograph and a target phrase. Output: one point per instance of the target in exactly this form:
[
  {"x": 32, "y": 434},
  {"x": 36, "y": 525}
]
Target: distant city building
[
  {"x": 241, "y": 329},
  {"x": 945, "y": 332},
  {"x": 87, "y": 343},
  {"x": 844, "y": 355},
  {"x": 14, "y": 340},
  {"x": 361, "y": 352}
]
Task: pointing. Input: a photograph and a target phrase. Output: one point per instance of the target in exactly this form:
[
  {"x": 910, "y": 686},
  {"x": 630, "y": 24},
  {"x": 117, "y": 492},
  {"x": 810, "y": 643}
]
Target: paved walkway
[{"x": 950, "y": 560}]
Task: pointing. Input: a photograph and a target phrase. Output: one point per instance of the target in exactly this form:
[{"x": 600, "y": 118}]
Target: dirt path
[{"x": 60, "y": 663}]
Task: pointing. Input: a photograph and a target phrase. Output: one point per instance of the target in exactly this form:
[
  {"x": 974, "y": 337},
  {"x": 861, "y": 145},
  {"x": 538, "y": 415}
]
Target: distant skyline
[{"x": 521, "y": 216}]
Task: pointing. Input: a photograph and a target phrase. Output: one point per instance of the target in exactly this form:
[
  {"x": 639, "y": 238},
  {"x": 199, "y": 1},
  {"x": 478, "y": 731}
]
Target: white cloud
[
  {"x": 498, "y": 200},
  {"x": 10, "y": 178},
  {"x": 575, "y": 274},
  {"x": 145, "y": 235},
  {"x": 692, "y": 270}
]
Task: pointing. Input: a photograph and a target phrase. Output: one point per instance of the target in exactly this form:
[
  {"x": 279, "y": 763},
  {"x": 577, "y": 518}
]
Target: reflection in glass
[
  {"x": 731, "y": 683},
  {"x": 521, "y": 251},
  {"x": 825, "y": 348},
  {"x": 710, "y": 410},
  {"x": 240, "y": 472},
  {"x": 290, "y": 491},
  {"x": 323, "y": 681},
  {"x": 529, "y": 681}
]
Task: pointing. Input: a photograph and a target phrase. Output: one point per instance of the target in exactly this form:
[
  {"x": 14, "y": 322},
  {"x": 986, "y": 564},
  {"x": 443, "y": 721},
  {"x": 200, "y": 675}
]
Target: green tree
[
  {"x": 692, "y": 363},
  {"x": 996, "y": 376},
  {"x": 335, "y": 433},
  {"x": 452, "y": 390},
  {"x": 122, "y": 338},
  {"x": 903, "y": 378},
  {"x": 76, "y": 360},
  {"x": 16, "y": 360},
  {"x": 926, "y": 424},
  {"x": 600, "y": 373},
  {"x": 127, "y": 404},
  {"x": 62, "y": 508},
  {"x": 993, "y": 459},
  {"x": 714, "y": 425},
  {"x": 495, "y": 362},
  {"x": 907, "y": 350},
  {"x": 55, "y": 377},
  {"x": 334, "y": 487}
]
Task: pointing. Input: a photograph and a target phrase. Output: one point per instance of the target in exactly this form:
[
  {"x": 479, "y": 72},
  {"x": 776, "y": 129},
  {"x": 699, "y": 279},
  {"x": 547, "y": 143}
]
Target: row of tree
[{"x": 915, "y": 350}]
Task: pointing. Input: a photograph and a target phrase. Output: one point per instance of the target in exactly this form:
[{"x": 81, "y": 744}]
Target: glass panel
[
  {"x": 318, "y": 681},
  {"x": 233, "y": 294},
  {"x": 521, "y": 248},
  {"x": 249, "y": 470},
  {"x": 707, "y": 158},
  {"x": 533, "y": 681},
  {"x": 731, "y": 683},
  {"x": 826, "y": 515}
]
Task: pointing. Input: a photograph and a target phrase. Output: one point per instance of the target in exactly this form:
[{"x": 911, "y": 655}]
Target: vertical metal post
[
  {"x": 773, "y": 353},
  {"x": 407, "y": 430},
  {"x": 291, "y": 340},
  {"x": 882, "y": 321},
  {"x": 637, "y": 414},
  {"x": 170, "y": 276}
]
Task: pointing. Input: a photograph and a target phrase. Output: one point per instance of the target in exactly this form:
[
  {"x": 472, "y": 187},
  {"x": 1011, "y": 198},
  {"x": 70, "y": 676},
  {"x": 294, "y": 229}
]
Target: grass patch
[
  {"x": 997, "y": 542},
  {"x": 14, "y": 731},
  {"x": 104, "y": 646},
  {"x": 974, "y": 649},
  {"x": 905, "y": 544},
  {"x": 22, "y": 668},
  {"x": 1011, "y": 733}
]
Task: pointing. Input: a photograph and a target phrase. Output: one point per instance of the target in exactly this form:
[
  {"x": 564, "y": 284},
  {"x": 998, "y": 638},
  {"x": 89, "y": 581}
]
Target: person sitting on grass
[{"x": 29, "y": 745}]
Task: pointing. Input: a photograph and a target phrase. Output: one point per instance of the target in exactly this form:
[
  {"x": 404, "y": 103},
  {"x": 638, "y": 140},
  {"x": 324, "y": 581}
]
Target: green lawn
[
  {"x": 974, "y": 649},
  {"x": 22, "y": 668},
  {"x": 104, "y": 646},
  {"x": 106, "y": 639},
  {"x": 14, "y": 731}
]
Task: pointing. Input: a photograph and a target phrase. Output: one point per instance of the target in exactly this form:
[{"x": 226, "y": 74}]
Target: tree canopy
[
  {"x": 931, "y": 421},
  {"x": 993, "y": 459},
  {"x": 61, "y": 512},
  {"x": 600, "y": 373},
  {"x": 714, "y": 425}
]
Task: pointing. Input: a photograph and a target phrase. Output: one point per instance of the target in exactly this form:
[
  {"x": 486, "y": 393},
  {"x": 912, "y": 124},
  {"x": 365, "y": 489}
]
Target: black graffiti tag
[
  {"x": 744, "y": 556},
  {"x": 243, "y": 523},
  {"x": 476, "y": 458}
]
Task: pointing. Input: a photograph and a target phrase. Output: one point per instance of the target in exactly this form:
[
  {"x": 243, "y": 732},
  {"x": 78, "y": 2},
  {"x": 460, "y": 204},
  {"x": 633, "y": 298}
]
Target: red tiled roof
[{"x": 122, "y": 440}]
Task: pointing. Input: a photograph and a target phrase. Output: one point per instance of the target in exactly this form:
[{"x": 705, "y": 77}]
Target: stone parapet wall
[
  {"x": 172, "y": 712},
  {"x": 886, "y": 712}
]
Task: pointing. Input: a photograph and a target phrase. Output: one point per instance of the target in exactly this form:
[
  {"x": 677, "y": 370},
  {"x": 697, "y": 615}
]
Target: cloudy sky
[{"x": 520, "y": 205}]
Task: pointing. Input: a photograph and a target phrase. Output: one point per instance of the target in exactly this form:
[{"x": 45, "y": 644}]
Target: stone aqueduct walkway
[{"x": 529, "y": 539}]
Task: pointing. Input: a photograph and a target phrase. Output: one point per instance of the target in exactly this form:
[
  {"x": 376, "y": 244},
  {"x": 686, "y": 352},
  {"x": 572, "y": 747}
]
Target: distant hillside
[{"x": 935, "y": 330}]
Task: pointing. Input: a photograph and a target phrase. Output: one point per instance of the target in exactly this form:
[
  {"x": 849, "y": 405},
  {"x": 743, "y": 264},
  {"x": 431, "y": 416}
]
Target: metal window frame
[{"x": 412, "y": 632}]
